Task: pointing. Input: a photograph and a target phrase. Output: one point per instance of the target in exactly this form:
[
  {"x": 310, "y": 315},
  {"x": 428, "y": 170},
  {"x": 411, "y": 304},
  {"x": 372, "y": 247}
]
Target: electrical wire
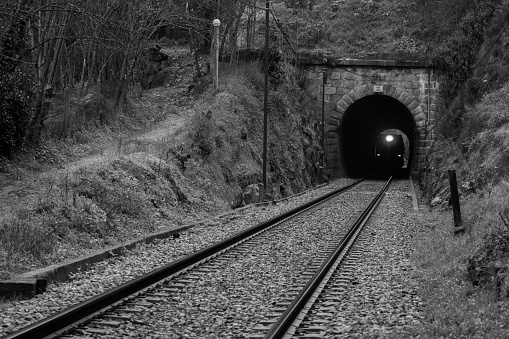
[
  {"x": 278, "y": 24},
  {"x": 493, "y": 45}
]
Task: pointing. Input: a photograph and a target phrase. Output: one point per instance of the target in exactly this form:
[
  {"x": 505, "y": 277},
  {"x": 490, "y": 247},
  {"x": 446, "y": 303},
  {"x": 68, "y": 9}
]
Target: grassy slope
[
  {"x": 381, "y": 27},
  {"x": 466, "y": 278},
  {"x": 197, "y": 162}
]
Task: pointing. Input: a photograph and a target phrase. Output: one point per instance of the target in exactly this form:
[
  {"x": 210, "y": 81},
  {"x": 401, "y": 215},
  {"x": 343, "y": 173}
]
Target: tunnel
[{"x": 362, "y": 122}]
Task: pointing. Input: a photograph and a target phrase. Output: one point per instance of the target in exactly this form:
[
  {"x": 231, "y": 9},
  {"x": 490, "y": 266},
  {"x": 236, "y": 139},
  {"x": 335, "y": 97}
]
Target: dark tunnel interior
[{"x": 362, "y": 122}]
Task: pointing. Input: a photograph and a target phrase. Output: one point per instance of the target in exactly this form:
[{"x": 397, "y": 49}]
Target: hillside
[{"x": 178, "y": 154}]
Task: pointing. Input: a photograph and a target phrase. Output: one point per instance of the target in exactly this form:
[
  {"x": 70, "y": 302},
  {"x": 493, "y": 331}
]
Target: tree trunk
[{"x": 46, "y": 76}]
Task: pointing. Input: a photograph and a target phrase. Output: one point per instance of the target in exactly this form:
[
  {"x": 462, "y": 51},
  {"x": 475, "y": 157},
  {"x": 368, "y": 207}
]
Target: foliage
[
  {"x": 81, "y": 44},
  {"x": 15, "y": 110},
  {"x": 224, "y": 136},
  {"x": 458, "y": 53},
  {"x": 492, "y": 71},
  {"x": 16, "y": 89},
  {"x": 490, "y": 113},
  {"x": 488, "y": 266},
  {"x": 22, "y": 237},
  {"x": 202, "y": 133},
  {"x": 453, "y": 307}
]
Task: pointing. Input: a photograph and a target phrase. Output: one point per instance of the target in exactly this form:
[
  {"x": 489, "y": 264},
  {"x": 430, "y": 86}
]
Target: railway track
[
  {"x": 289, "y": 323},
  {"x": 124, "y": 309}
]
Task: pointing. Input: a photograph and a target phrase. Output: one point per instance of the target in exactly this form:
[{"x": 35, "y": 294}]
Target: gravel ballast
[
  {"x": 143, "y": 259},
  {"x": 382, "y": 301},
  {"x": 230, "y": 303}
]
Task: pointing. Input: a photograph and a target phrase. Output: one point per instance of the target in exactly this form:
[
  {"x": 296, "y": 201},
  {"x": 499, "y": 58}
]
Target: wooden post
[
  {"x": 455, "y": 200},
  {"x": 215, "y": 57}
]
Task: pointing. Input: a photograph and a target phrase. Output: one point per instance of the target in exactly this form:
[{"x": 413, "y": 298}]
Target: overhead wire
[
  {"x": 278, "y": 24},
  {"x": 493, "y": 45}
]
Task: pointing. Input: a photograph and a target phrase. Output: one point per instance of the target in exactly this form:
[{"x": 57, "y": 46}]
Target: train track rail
[
  {"x": 289, "y": 323},
  {"x": 63, "y": 323}
]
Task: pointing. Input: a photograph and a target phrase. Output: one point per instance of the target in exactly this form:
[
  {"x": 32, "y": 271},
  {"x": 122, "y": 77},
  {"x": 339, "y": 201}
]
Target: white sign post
[{"x": 215, "y": 57}]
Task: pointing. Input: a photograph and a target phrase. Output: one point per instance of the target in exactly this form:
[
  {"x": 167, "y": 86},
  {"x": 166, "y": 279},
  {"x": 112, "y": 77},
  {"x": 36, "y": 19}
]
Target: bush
[
  {"x": 489, "y": 265},
  {"x": 15, "y": 110},
  {"x": 202, "y": 133},
  {"x": 20, "y": 237}
]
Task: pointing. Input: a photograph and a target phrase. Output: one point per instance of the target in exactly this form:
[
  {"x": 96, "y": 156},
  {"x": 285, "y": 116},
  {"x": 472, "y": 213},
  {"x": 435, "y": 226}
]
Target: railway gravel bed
[
  {"x": 110, "y": 273},
  {"x": 229, "y": 300},
  {"x": 379, "y": 302},
  {"x": 379, "y": 298}
]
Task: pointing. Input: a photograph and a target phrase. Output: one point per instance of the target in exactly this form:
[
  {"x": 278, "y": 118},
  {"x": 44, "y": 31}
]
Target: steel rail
[
  {"x": 66, "y": 319},
  {"x": 280, "y": 328}
]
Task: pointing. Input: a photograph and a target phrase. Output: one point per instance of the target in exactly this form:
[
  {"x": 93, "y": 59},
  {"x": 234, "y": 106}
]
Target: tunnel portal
[
  {"x": 362, "y": 122},
  {"x": 360, "y": 98}
]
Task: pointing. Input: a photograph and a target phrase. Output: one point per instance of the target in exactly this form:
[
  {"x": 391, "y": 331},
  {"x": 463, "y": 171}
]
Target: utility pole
[
  {"x": 322, "y": 165},
  {"x": 266, "y": 97}
]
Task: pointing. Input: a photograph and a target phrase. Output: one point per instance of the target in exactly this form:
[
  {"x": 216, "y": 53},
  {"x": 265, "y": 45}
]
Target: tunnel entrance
[{"x": 361, "y": 124}]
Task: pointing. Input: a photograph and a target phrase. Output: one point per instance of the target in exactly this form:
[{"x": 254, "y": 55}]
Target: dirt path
[{"x": 27, "y": 182}]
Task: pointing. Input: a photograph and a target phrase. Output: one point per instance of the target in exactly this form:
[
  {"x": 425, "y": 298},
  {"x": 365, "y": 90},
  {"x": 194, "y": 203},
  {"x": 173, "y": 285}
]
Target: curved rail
[
  {"x": 65, "y": 319},
  {"x": 280, "y": 328}
]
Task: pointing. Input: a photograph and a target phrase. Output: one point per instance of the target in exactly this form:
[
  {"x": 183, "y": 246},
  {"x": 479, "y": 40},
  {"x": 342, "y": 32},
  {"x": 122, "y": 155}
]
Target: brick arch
[{"x": 333, "y": 156}]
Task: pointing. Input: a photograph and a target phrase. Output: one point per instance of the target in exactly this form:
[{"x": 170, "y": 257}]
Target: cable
[
  {"x": 284, "y": 35},
  {"x": 498, "y": 38},
  {"x": 281, "y": 30}
]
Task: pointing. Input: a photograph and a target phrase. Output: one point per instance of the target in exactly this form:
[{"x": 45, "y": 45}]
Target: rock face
[
  {"x": 253, "y": 194},
  {"x": 154, "y": 74},
  {"x": 238, "y": 198}
]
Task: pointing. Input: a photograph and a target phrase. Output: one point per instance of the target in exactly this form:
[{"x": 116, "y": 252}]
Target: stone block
[
  {"x": 336, "y": 75},
  {"x": 337, "y": 83},
  {"x": 24, "y": 288},
  {"x": 362, "y": 91},
  {"x": 347, "y": 100},
  {"x": 349, "y": 75},
  {"x": 333, "y": 120},
  {"x": 349, "y": 84},
  {"x": 334, "y": 98},
  {"x": 330, "y": 104},
  {"x": 413, "y": 106},
  {"x": 390, "y": 90},
  {"x": 253, "y": 194},
  {"x": 420, "y": 116},
  {"x": 330, "y": 90},
  {"x": 404, "y": 98}
]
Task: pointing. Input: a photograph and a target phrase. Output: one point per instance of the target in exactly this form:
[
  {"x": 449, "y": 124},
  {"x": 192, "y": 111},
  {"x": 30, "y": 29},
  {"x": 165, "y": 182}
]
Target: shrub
[
  {"x": 113, "y": 193},
  {"x": 489, "y": 266},
  {"x": 15, "y": 110},
  {"x": 21, "y": 237},
  {"x": 202, "y": 133}
]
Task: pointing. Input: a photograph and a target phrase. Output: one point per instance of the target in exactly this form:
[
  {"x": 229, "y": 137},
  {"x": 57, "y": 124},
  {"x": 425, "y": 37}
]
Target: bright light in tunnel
[{"x": 389, "y": 138}]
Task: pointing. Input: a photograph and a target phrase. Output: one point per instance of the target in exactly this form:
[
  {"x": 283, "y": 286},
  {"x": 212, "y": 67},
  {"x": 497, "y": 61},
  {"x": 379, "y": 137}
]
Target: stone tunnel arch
[{"x": 360, "y": 115}]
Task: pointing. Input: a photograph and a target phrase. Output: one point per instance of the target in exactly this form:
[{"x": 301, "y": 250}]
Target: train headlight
[{"x": 389, "y": 138}]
